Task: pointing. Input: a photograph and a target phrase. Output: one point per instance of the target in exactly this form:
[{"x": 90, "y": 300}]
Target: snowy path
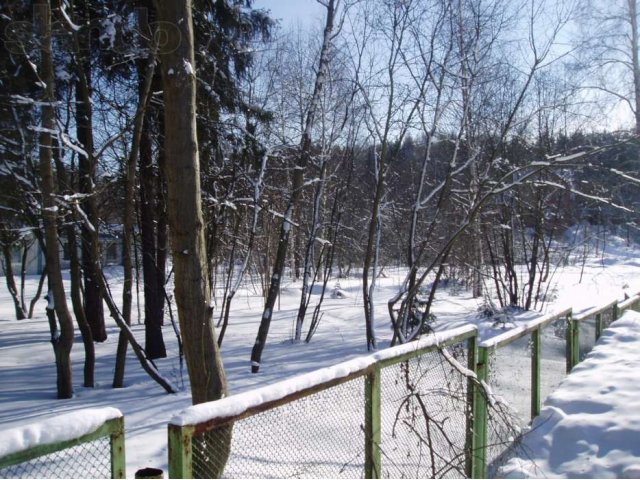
[{"x": 589, "y": 427}]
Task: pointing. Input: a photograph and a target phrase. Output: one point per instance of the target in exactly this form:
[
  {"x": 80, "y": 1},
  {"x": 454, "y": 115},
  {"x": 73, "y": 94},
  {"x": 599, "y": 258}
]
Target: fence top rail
[
  {"x": 254, "y": 401},
  {"x": 629, "y": 302},
  {"x": 61, "y": 428},
  {"x": 593, "y": 311},
  {"x": 520, "y": 331}
]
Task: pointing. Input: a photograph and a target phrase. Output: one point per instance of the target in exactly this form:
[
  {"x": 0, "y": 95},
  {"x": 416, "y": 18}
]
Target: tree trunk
[
  {"x": 11, "y": 282},
  {"x": 36, "y": 297},
  {"x": 153, "y": 292},
  {"x": 57, "y": 312},
  {"x": 78, "y": 308},
  {"x": 94, "y": 310},
  {"x": 307, "y": 284},
  {"x": 129, "y": 215},
  {"x": 186, "y": 222},
  {"x": 186, "y": 225},
  {"x": 76, "y": 279},
  {"x": 161, "y": 211}
]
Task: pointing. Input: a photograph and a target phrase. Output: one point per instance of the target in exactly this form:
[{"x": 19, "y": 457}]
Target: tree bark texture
[
  {"x": 186, "y": 226},
  {"x": 94, "y": 309},
  {"x": 153, "y": 290},
  {"x": 57, "y": 311},
  {"x": 75, "y": 274}
]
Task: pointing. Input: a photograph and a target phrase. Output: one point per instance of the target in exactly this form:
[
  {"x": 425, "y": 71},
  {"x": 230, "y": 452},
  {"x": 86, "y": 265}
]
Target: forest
[{"x": 457, "y": 139}]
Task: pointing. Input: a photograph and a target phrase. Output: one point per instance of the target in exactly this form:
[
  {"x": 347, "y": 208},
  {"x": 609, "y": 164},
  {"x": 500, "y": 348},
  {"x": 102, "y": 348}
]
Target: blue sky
[{"x": 291, "y": 11}]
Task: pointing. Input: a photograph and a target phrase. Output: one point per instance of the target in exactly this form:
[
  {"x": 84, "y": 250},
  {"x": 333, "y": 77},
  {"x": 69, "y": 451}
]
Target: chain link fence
[
  {"x": 399, "y": 413},
  {"x": 89, "y": 460},
  {"x": 424, "y": 416},
  {"x": 607, "y": 317},
  {"x": 98, "y": 453},
  {"x": 587, "y": 336},
  {"x": 318, "y": 436},
  {"x": 517, "y": 366},
  {"x": 553, "y": 362},
  {"x": 527, "y": 364},
  {"x": 413, "y": 411},
  {"x": 510, "y": 381}
]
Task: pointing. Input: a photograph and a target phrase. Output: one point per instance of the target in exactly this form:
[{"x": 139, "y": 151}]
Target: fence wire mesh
[
  {"x": 320, "y": 435},
  {"x": 423, "y": 417},
  {"x": 87, "y": 460},
  {"x": 587, "y": 336},
  {"x": 553, "y": 359},
  {"x": 607, "y": 318},
  {"x": 510, "y": 381},
  {"x": 423, "y": 421}
]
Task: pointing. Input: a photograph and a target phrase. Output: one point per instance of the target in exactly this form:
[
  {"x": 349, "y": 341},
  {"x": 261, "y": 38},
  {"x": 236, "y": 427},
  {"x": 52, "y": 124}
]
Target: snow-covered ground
[
  {"x": 589, "y": 427},
  {"x": 27, "y": 388}
]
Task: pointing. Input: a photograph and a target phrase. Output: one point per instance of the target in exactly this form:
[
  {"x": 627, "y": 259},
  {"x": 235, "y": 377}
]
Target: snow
[
  {"x": 72, "y": 25},
  {"x": 27, "y": 389},
  {"x": 526, "y": 326},
  {"x": 109, "y": 32},
  {"x": 50, "y": 300},
  {"x": 188, "y": 68},
  {"x": 589, "y": 427},
  {"x": 73, "y": 145},
  {"x": 57, "y": 429}
]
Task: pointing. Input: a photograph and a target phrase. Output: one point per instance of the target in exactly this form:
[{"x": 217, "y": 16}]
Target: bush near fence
[{"x": 83, "y": 444}]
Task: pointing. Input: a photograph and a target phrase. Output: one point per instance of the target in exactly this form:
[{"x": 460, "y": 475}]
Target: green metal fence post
[
  {"x": 372, "y": 423},
  {"x": 535, "y": 372},
  {"x": 573, "y": 342},
  {"x": 480, "y": 416},
  {"x": 471, "y": 444},
  {"x": 118, "y": 462},
  {"x": 180, "y": 451},
  {"x": 615, "y": 313}
]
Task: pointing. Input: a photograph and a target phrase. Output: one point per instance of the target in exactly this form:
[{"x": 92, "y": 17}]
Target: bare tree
[
  {"x": 607, "y": 52},
  {"x": 391, "y": 107},
  {"x": 297, "y": 181},
  {"x": 492, "y": 99},
  {"x": 60, "y": 321}
]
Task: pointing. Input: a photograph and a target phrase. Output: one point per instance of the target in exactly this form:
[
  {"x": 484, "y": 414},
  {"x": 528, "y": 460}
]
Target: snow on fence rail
[
  {"x": 84, "y": 444},
  {"x": 403, "y": 411}
]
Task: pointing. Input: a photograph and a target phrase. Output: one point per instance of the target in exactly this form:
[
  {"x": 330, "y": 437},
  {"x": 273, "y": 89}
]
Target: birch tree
[
  {"x": 607, "y": 53},
  {"x": 391, "y": 105},
  {"x": 297, "y": 184}
]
